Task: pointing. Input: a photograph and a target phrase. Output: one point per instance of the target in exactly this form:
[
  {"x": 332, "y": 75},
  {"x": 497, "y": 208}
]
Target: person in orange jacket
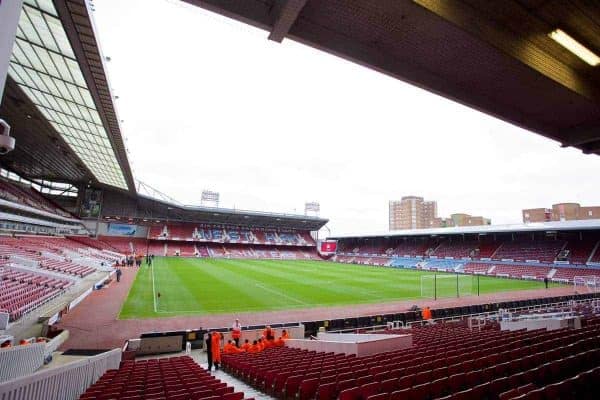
[
  {"x": 426, "y": 313},
  {"x": 230, "y": 348},
  {"x": 255, "y": 348},
  {"x": 280, "y": 342},
  {"x": 246, "y": 345},
  {"x": 215, "y": 347},
  {"x": 265, "y": 344},
  {"x": 268, "y": 334}
]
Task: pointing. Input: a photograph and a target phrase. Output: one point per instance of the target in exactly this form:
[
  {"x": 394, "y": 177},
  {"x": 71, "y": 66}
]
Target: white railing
[
  {"x": 67, "y": 382},
  {"x": 21, "y": 360}
]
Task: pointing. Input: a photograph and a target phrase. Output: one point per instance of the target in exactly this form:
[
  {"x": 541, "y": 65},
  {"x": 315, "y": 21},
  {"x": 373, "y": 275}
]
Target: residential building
[{"x": 561, "y": 212}]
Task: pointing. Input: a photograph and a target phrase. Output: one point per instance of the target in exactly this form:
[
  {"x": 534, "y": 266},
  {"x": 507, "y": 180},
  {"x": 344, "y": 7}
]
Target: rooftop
[{"x": 590, "y": 224}]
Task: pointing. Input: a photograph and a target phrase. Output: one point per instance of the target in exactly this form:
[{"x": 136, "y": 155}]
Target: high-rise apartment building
[{"x": 411, "y": 212}]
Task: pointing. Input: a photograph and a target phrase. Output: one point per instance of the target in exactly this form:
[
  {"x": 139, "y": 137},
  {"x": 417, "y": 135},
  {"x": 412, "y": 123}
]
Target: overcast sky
[{"x": 210, "y": 103}]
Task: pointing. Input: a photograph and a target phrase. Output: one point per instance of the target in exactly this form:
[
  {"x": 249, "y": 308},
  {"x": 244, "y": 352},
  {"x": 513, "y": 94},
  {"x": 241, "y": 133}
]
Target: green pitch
[{"x": 189, "y": 286}]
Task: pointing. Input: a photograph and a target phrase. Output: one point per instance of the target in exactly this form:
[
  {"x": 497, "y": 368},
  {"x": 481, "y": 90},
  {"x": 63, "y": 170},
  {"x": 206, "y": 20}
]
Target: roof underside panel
[
  {"x": 492, "y": 56},
  {"x": 58, "y": 71},
  {"x": 40, "y": 153}
]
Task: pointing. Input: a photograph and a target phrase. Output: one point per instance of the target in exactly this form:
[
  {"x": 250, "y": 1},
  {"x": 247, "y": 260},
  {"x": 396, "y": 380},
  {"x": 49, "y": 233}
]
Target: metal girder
[
  {"x": 592, "y": 147},
  {"x": 286, "y": 13},
  {"x": 582, "y": 135}
]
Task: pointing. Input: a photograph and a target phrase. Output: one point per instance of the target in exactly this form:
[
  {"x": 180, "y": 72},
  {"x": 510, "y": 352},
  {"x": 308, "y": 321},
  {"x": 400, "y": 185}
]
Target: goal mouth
[
  {"x": 434, "y": 286},
  {"x": 586, "y": 283}
]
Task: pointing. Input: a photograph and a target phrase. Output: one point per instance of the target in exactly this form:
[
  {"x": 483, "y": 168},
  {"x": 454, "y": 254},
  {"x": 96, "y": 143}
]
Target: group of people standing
[
  {"x": 135, "y": 260},
  {"x": 267, "y": 340}
]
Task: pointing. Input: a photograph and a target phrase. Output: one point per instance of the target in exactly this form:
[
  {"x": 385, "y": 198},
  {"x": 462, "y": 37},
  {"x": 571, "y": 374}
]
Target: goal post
[
  {"x": 586, "y": 284},
  {"x": 434, "y": 286},
  {"x": 428, "y": 285}
]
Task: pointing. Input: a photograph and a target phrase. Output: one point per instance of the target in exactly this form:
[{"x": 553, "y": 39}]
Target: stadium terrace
[{"x": 111, "y": 289}]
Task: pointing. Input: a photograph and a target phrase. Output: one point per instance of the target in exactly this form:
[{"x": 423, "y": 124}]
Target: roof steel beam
[
  {"x": 286, "y": 13},
  {"x": 582, "y": 135}
]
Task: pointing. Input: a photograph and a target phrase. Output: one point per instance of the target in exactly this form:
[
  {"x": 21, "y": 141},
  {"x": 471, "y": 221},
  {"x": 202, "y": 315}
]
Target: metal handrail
[{"x": 457, "y": 318}]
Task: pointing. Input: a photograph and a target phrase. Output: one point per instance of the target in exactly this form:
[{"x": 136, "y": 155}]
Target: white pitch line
[
  {"x": 153, "y": 289},
  {"x": 277, "y": 292}
]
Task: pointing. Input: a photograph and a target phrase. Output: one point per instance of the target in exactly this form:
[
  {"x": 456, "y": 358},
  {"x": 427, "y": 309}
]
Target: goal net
[
  {"x": 586, "y": 284},
  {"x": 446, "y": 285}
]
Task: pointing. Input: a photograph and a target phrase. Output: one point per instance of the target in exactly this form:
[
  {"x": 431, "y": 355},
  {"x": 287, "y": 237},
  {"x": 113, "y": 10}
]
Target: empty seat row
[
  {"x": 448, "y": 354},
  {"x": 174, "y": 378}
]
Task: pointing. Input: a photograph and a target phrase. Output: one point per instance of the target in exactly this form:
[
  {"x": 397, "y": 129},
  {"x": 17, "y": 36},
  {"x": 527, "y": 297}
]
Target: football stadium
[{"x": 112, "y": 289}]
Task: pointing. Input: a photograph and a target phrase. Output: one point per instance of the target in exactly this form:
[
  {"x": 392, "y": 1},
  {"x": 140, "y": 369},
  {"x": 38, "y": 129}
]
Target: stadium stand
[
  {"x": 96, "y": 243},
  {"x": 579, "y": 251},
  {"x": 202, "y": 251},
  {"x": 441, "y": 264},
  {"x": 519, "y": 250},
  {"x": 519, "y": 256},
  {"x": 595, "y": 258},
  {"x": 412, "y": 249},
  {"x": 202, "y": 240},
  {"x": 570, "y": 273},
  {"x": 154, "y": 247},
  {"x": 365, "y": 260},
  {"x": 447, "y": 360},
  {"x": 173, "y": 378},
  {"x": 524, "y": 250},
  {"x": 174, "y": 232},
  {"x": 455, "y": 249},
  {"x": 220, "y": 234},
  {"x": 21, "y": 292},
  {"x": 343, "y": 259},
  {"x": 380, "y": 261},
  {"x": 371, "y": 249},
  {"x": 124, "y": 245},
  {"x": 477, "y": 268},
  {"x": 521, "y": 271},
  {"x": 23, "y": 194},
  {"x": 57, "y": 245},
  {"x": 405, "y": 262},
  {"x": 45, "y": 253},
  {"x": 486, "y": 249},
  {"x": 183, "y": 249}
]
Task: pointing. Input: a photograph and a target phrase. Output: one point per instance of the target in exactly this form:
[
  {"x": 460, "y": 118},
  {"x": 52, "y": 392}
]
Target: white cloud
[{"x": 210, "y": 103}]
